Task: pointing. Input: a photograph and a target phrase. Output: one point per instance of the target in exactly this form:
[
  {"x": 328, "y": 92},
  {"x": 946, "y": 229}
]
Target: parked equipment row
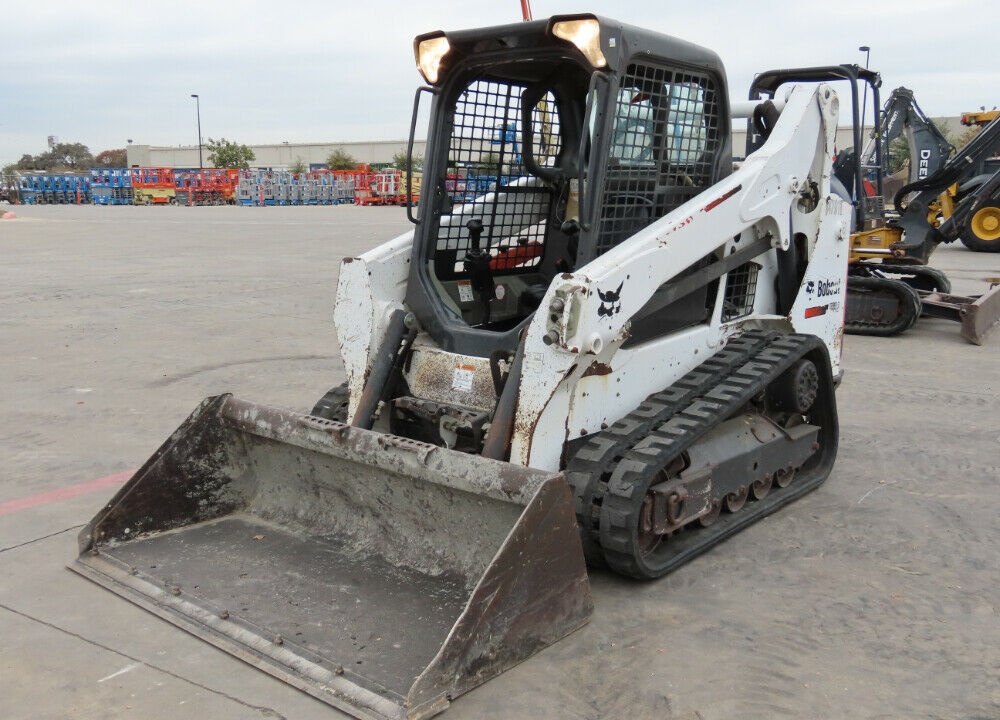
[
  {"x": 265, "y": 187},
  {"x": 222, "y": 186},
  {"x": 54, "y": 189}
]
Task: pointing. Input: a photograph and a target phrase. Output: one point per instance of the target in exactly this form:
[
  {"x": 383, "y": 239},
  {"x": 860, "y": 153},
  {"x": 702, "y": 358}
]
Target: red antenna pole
[{"x": 526, "y": 10}]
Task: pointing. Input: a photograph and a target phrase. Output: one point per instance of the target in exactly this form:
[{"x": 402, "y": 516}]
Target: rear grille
[{"x": 741, "y": 291}]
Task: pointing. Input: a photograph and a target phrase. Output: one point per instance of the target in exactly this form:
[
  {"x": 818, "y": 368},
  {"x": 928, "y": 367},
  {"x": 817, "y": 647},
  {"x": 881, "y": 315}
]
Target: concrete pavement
[{"x": 874, "y": 597}]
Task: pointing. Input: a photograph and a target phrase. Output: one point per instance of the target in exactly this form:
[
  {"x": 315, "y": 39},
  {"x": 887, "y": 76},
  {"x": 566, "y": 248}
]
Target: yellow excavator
[
  {"x": 978, "y": 196},
  {"x": 890, "y": 284}
]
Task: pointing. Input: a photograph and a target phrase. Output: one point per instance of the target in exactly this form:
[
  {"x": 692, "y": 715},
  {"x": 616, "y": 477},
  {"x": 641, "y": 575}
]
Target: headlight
[
  {"x": 430, "y": 52},
  {"x": 586, "y": 35}
]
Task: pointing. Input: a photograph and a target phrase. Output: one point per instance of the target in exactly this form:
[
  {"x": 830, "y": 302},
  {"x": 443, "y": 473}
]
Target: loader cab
[{"x": 549, "y": 143}]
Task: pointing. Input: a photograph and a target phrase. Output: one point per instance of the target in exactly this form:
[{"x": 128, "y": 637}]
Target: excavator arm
[{"x": 901, "y": 116}]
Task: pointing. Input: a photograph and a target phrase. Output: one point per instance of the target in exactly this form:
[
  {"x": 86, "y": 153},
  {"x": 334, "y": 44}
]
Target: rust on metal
[
  {"x": 597, "y": 368},
  {"x": 721, "y": 199},
  {"x": 364, "y": 533}
]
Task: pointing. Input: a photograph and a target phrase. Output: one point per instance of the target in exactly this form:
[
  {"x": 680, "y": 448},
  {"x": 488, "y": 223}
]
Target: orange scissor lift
[{"x": 153, "y": 186}]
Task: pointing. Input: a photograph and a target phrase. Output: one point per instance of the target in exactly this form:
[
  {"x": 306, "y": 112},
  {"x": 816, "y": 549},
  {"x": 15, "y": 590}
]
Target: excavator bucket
[{"x": 381, "y": 575}]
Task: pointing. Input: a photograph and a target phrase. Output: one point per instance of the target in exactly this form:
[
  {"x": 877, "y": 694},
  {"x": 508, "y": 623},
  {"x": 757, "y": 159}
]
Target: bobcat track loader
[{"x": 597, "y": 343}]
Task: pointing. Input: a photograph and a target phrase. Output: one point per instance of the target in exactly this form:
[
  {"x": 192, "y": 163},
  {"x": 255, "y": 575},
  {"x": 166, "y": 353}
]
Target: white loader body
[{"x": 576, "y": 377}]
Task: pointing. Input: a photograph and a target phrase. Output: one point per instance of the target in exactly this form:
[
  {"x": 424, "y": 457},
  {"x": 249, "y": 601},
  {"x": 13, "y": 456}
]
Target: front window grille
[
  {"x": 664, "y": 141},
  {"x": 486, "y": 177}
]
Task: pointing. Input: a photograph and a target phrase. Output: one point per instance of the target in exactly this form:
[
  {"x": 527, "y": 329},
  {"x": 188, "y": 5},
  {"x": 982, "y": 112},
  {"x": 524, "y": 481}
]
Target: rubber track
[
  {"x": 333, "y": 405},
  {"x": 918, "y": 277},
  {"x": 633, "y": 473},
  {"x": 909, "y": 301},
  {"x": 589, "y": 470}
]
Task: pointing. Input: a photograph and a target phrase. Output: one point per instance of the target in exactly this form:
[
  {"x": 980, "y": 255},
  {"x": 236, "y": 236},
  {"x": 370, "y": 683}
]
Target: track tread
[
  {"x": 589, "y": 470},
  {"x": 909, "y": 303},
  {"x": 333, "y": 405},
  {"x": 614, "y": 468}
]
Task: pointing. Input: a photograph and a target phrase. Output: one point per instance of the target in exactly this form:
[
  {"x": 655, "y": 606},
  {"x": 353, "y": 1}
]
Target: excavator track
[
  {"x": 880, "y": 306},
  {"x": 918, "y": 277},
  {"x": 614, "y": 471}
]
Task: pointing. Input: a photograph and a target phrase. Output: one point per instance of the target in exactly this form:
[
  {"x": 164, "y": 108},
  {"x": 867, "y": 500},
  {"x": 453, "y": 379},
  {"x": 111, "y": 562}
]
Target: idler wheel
[{"x": 797, "y": 388}]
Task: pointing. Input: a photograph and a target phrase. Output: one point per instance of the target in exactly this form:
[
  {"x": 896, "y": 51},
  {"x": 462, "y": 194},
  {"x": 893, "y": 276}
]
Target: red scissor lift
[
  {"x": 364, "y": 193},
  {"x": 382, "y": 187},
  {"x": 214, "y": 186}
]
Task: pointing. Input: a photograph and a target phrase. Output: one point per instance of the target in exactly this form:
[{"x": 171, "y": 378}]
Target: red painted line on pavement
[{"x": 65, "y": 493}]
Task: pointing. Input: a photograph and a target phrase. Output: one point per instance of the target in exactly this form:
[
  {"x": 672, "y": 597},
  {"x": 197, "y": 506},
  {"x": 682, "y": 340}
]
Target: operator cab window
[
  {"x": 506, "y": 172},
  {"x": 663, "y": 145}
]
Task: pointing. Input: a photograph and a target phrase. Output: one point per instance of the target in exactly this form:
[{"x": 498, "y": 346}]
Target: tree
[
  {"x": 112, "y": 158},
  {"x": 298, "y": 167},
  {"x": 71, "y": 156},
  {"x": 899, "y": 155},
  {"x": 63, "y": 157},
  {"x": 399, "y": 161},
  {"x": 340, "y": 159},
  {"x": 965, "y": 136},
  {"x": 228, "y": 154}
]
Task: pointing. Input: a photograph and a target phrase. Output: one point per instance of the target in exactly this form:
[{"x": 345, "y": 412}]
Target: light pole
[
  {"x": 864, "y": 103},
  {"x": 197, "y": 102}
]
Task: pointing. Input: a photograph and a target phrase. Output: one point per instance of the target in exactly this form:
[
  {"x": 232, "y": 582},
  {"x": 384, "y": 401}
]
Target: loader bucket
[{"x": 381, "y": 575}]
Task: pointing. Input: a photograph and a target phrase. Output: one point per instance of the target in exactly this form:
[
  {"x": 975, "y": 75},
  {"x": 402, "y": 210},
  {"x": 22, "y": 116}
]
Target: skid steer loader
[{"x": 616, "y": 349}]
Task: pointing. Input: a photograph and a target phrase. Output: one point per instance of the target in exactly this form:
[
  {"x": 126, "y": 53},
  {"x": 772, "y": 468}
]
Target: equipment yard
[{"x": 875, "y": 596}]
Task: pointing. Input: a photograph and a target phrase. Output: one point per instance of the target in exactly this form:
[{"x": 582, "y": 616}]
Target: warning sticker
[
  {"x": 465, "y": 291},
  {"x": 461, "y": 379}
]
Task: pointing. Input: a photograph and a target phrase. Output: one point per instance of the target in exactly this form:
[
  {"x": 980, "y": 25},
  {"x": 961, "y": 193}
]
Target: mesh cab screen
[
  {"x": 486, "y": 178},
  {"x": 741, "y": 290},
  {"x": 665, "y": 137}
]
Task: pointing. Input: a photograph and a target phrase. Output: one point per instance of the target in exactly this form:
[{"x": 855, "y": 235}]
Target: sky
[{"x": 103, "y": 72}]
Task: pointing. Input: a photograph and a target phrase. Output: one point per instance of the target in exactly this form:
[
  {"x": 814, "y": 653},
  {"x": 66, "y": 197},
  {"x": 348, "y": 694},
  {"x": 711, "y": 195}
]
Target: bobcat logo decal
[{"x": 610, "y": 301}]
